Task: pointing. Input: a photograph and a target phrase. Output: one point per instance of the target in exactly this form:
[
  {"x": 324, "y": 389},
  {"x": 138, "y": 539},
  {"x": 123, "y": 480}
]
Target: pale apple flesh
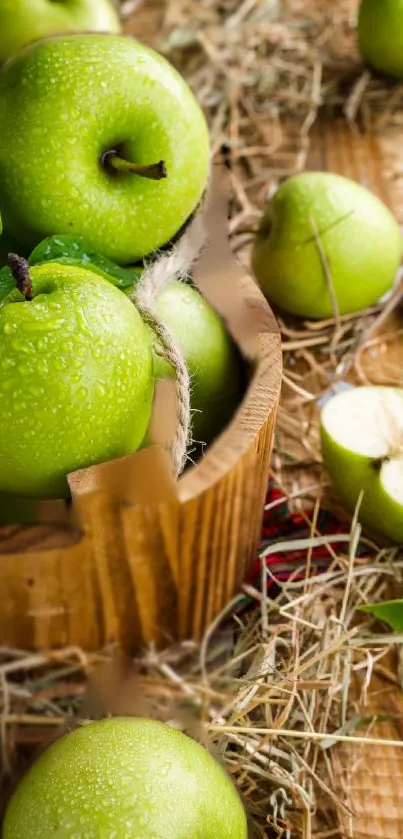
[
  {"x": 362, "y": 447},
  {"x": 25, "y": 21}
]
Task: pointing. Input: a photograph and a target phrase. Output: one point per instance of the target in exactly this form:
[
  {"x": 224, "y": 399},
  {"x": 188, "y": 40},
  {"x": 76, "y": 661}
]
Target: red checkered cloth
[{"x": 281, "y": 525}]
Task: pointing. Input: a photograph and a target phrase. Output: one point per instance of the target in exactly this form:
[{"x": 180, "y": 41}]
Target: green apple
[
  {"x": 380, "y": 35},
  {"x": 24, "y": 21},
  {"x": 126, "y": 777},
  {"x": 100, "y": 138},
  {"x": 210, "y": 355},
  {"x": 321, "y": 230},
  {"x": 76, "y": 378},
  {"x": 362, "y": 446}
]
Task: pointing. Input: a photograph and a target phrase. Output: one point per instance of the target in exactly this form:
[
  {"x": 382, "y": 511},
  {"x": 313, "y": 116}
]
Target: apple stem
[
  {"x": 20, "y": 271},
  {"x": 152, "y": 171},
  {"x": 378, "y": 462}
]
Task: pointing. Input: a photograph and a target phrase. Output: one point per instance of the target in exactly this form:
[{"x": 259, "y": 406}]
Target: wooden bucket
[{"x": 146, "y": 559}]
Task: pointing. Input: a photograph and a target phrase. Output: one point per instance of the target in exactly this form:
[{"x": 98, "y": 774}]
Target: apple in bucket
[
  {"x": 76, "y": 377},
  {"x": 24, "y": 21},
  {"x": 101, "y": 138}
]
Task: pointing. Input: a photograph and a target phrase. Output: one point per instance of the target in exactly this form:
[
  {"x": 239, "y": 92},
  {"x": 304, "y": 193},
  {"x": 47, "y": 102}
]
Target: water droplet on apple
[
  {"x": 35, "y": 390},
  {"x": 82, "y": 392},
  {"x": 19, "y": 346},
  {"x": 7, "y": 384},
  {"x": 8, "y": 328},
  {"x": 42, "y": 367}
]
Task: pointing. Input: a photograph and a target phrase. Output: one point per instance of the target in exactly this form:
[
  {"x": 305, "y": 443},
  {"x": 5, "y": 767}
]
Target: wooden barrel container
[{"x": 144, "y": 558}]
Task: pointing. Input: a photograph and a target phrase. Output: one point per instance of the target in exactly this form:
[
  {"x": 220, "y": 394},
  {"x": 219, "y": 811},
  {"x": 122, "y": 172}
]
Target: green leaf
[
  {"x": 69, "y": 250},
  {"x": 391, "y": 612},
  {"x": 7, "y": 283}
]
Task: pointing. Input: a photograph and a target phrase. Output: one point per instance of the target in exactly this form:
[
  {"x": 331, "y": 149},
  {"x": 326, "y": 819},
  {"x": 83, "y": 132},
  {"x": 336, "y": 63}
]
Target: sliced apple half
[{"x": 362, "y": 448}]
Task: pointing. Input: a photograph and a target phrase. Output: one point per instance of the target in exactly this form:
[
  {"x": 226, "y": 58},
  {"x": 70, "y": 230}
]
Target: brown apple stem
[
  {"x": 20, "y": 271},
  {"x": 152, "y": 171},
  {"x": 378, "y": 462}
]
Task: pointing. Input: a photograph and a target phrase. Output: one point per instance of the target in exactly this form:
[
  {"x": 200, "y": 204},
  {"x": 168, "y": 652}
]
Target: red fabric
[{"x": 281, "y": 525}]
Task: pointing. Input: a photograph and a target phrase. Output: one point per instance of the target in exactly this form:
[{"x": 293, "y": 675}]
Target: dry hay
[
  {"x": 284, "y": 676},
  {"x": 263, "y": 70},
  {"x": 270, "y": 686}
]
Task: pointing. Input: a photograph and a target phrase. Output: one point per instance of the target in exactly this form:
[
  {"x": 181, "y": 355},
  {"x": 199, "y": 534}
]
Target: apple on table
[
  {"x": 326, "y": 245},
  {"x": 24, "y": 21},
  {"x": 380, "y": 35},
  {"x": 125, "y": 777}
]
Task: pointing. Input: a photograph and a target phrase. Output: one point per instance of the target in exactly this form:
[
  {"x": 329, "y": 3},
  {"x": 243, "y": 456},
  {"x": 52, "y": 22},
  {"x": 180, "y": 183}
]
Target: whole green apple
[
  {"x": 210, "y": 354},
  {"x": 380, "y": 35},
  {"x": 126, "y": 777},
  {"x": 90, "y": 127},
  {"x": 319, "y": 232},
  {"x": 362, "y": 447},
  {"x": 24, "y": 21},
  {"x": 76, "y": 378}
]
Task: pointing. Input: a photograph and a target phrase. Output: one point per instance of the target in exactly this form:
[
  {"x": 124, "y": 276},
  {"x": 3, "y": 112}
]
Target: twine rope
[{"x": 174, "y": 265}]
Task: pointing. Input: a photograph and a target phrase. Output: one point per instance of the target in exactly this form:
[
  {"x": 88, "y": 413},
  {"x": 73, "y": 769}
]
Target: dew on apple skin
[
  {"x": 19, "y": 406},
  {"x": 35, "y": 390},
  {"x": 8, "y": 328},
  {"x": 42, "y": 367},
  {"x": 19, "y": 346},
  {"x": 7, "y": 385},
  {"x": 6, "y": 363}
]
